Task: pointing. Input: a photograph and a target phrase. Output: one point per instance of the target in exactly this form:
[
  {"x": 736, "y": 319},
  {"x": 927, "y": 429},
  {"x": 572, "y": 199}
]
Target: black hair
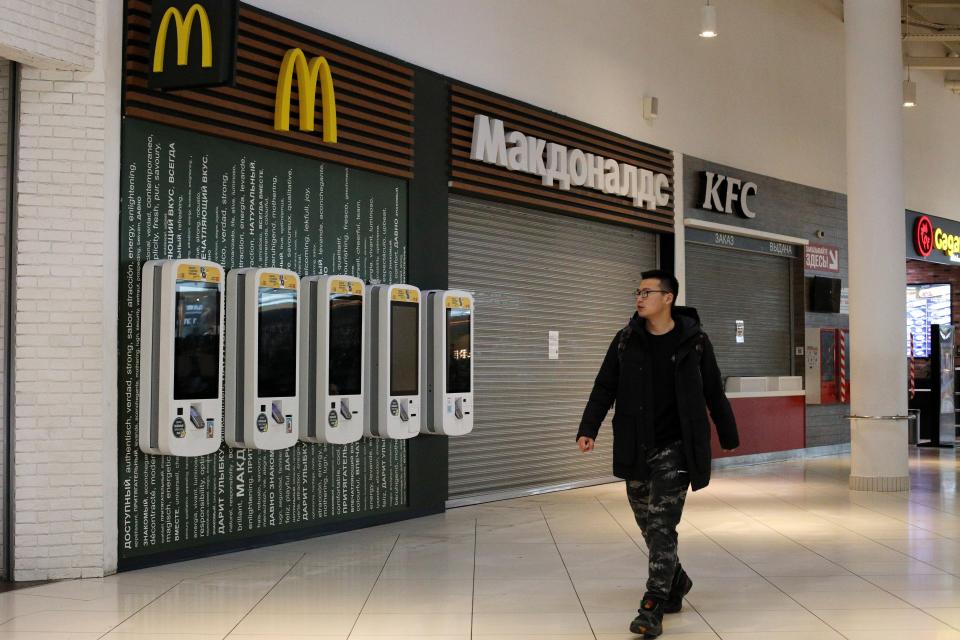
[{"x": 667, "y": 281}]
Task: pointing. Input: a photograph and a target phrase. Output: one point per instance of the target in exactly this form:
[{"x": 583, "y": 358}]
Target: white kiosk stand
[
  {"x": 447, "y": 379},
  {"x": 393, "y": 375},
  {"x": 181, "y": 368},
  {"x": 332, "y": 355},
  {"x": 262, "y": 349}
]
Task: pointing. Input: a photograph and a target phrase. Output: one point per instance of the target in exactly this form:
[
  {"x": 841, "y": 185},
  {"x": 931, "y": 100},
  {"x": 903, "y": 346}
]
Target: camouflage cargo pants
[{"x": 657, "y": 505}]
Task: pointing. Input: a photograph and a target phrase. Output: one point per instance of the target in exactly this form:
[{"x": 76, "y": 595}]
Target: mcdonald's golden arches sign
[
  {"x": 311, "y": 77},
  {"x": 194, "y": 43}
]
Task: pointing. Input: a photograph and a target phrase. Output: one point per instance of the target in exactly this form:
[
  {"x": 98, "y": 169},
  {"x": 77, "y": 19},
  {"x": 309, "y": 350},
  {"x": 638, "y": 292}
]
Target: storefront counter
[{"x": 767, "y": 421}]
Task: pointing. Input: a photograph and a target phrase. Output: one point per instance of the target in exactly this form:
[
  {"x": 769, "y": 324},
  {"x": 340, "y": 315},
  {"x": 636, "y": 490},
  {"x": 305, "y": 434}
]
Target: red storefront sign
[
  {"x": 923, "y": 236},
  {"x": 821, "y": 257}
]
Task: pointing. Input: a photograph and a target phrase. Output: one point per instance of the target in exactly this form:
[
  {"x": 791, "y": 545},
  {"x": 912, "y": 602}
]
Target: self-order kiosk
[
  {"x": 263, "y": 336},
  {"x": 447, "y": 379},
  {"x": 332, "y": 359},
  {"x": 181, "y": 366},
  {"x": 393, "y": 375}
]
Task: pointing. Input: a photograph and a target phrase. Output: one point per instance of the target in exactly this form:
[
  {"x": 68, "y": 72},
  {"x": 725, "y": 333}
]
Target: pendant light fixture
[
  {"x": 708, "y": 21},
  {"x": 909, "y": 91}
]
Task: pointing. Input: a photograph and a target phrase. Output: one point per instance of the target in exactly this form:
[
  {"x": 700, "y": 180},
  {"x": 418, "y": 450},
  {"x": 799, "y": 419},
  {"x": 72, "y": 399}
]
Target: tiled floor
[{"x": 777, "y": 552}]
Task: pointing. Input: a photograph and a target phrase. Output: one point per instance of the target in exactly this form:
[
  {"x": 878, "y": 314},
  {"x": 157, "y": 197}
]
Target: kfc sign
[{"x": 724, "y": 194}]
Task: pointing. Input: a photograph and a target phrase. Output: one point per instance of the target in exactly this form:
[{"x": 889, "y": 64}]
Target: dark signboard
[
  {"x": 191, "y": 195},
  {"x": 193, "y": 43},
  {"x": 932, "y": 239}
]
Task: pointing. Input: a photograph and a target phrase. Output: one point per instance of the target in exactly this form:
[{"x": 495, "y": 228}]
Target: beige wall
[
  {"x": 767, "y": 95},
  {"x": 931, "y": 142}
]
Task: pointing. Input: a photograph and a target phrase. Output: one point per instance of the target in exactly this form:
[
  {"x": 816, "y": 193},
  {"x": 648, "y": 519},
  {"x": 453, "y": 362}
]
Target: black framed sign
[{"x": 193, "y": 43}]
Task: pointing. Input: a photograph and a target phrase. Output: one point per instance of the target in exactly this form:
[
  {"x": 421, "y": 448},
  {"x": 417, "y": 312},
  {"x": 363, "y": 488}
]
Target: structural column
[{"x": 875, "y": 207}]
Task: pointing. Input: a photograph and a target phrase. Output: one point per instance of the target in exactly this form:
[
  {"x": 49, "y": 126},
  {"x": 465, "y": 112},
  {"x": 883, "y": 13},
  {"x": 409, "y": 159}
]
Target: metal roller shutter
[
  {"x": 531, "y": 273},
  {"x": 726, "y": 285}
]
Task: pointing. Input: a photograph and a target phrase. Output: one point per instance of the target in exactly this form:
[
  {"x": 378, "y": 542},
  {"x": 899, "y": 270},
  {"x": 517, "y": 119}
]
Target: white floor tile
[
  {"x": 882, "y": 619},
  {"x": 299, "y": 624},
  {"x": 784, "y": 635},
  {"x": 777, "y": 552},
  {"x": 525, "y": 596},
  {"x": 48, "y": 635},
  {"x": 64, "y": 621},
  {"x": 392, "y": 595},
  {"x": 486, "y": 624},
  {"x": 876, "y": 599},
  {"x": 724, "y": 621},
  {"x": 412, "y": 625}
]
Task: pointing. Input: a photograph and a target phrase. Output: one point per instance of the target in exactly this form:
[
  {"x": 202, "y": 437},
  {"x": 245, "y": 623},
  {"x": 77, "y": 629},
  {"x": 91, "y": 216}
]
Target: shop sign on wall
[
  {"x": 821, "y": 257},
  {"x": 724, "y": 194},
  {"x": 933, "y": 239},
  {"x": 733, "y": 241},
  {"x": 194, "y": 43},
  {"x": 562, "y": 167}
]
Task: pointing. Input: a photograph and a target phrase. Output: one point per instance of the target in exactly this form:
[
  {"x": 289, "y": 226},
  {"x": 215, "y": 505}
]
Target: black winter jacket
[{"x": 625, "y": 378}]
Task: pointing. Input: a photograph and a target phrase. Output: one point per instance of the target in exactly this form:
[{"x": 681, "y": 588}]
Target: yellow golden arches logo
[
  {"x": 308, "y": 74},
  {"x": 184, "y": 27}
]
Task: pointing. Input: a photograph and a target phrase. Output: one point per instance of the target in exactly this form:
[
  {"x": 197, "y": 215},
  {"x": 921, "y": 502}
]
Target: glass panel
[
  {"x": 404, "y": 349},
  {"x": 277, "y": 343},
  {"x": 458, "y": 350},
  {"x": 346, "y": 346}
]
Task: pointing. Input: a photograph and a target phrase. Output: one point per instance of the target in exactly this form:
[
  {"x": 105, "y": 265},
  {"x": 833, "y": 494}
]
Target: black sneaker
[
  {"x": 681, "y": 586},
  {"x": 649, "y": 620}
]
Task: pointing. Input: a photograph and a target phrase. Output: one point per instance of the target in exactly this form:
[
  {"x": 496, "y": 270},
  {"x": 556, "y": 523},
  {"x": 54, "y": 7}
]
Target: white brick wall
[
  {"x": 49, "y": 33},
  {"x": 60, "y": 422},
  {"x": 4, "y": 124}
]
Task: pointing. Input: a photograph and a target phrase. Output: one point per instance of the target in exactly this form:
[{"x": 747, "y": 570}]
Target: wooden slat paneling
[
  {"x": 478, "y": 178},
  {"x": 374, "y": 94}
]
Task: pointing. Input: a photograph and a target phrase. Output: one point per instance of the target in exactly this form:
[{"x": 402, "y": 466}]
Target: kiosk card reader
[
  {"x": 181, "y": 369},
  {"x": 332, "y": 355},
  {"x": 263, "y": 343},
  {"x": 393, "y": 374},
  {"x": 447, "y": 378}
]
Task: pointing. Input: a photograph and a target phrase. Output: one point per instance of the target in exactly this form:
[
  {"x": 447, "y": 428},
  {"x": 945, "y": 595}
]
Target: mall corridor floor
[{"x": 777, "y": 552}]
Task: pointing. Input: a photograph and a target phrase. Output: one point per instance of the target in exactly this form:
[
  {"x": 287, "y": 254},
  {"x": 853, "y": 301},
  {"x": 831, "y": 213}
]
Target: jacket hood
[{"x": 686, "y": 317}]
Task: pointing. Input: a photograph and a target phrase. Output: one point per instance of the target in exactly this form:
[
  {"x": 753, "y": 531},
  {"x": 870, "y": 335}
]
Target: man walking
[{"x": 661, "y": 372}]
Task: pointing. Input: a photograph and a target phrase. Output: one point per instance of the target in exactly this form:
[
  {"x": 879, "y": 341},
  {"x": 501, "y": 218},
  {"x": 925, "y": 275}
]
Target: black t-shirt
[{"x": 666, "y": 420}]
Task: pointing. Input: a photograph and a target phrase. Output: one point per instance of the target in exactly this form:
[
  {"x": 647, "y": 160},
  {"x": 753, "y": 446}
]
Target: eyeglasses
[{"x": 643, "y": 293}]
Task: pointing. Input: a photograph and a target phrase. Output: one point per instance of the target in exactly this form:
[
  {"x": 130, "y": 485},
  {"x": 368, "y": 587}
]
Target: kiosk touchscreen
[
  {"x": 181, "y": 368},
  {"x": 333, "y": 316},
  {"x": 447, "y": 378},
  {"x": 393, "y": 374},
  {"x": 263, "y": 335}
]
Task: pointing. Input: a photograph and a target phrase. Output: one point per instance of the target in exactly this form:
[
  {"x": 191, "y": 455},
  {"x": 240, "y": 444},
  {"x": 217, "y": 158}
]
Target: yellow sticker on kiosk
[
  {"x": 278, "y": 280},
  {"x": 346, "y": 286},
  {"x": 458, "y": 302},
  {"x": 198, "y": 273},
  {"x": 405, "y": 295}
]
